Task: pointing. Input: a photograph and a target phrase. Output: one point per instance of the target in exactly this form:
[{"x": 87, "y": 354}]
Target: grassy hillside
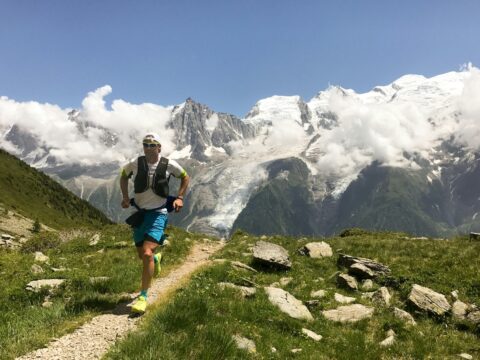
[
  {"x": 202, "y": 318},
  {"x": 36, "y": 196}
]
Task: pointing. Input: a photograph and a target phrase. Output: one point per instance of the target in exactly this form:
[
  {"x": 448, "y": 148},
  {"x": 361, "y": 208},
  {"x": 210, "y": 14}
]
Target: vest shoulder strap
[{"x": 161, "y": 170}]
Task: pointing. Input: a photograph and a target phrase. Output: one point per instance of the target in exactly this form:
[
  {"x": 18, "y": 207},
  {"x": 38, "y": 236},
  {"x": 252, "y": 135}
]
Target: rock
[
  {"x": 98, "y": 279},
  {"x": 347, "y": 282},
  {"x": 312, "y": 303},
  {"x": 288, "y": 303},
  {"x": 368, "y": 295},
  {"x": 405, "y": 316},
  {"x": 343, "y": 299},
  {"x": 101, "y": 251},
  {"x": 454, "y": 294},
  {"x": 244, "y": 290},
  {"x": 367, "y": 285},
  {"x": 40, "y": 257},
  {"x": 294, "y": 351},
  {"x": 376, "y": 267},
  {"x": 60, "y": 269},
  {"x": 349, "y": 313},
  {"x": 474, "y": 316},
  {"x": 36, "y": 269},
  {"x": 318, "y": 294},
  {"x": 382, "y": 296},
  {"x": 244, "y": 343},
  {"x": 391, "y": 333},
  {"x": 37, "y": 285},
  {"x": 94, "y": 240},
  {"x": 121, "y": 244},
  {"x": 7, "y": 237},
  {"x": 263, "y": 237},
  {"x": 47, "y": 304},
  {"x": 361, "y": 271},
  {"x": 166, "y": 243},
  {"x": 271, "y": 254},
  {"x": 273, "y": 349},
  {"x": 285, "y": 281},
  {"x": 316, "y": 250},
  {"x": 474, "y": 236},
  {"x": 388, "y": 341},
  {"x": 426, "y": 299},
  {"x": 465, "y": 356},
  {"x": 459, "y": 310},
  {"x": 312, "y": 334}
]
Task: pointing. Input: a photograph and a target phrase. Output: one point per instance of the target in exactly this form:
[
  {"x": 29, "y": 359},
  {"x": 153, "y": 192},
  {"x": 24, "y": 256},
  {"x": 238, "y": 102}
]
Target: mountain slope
[{"x": 37, "y": 196}]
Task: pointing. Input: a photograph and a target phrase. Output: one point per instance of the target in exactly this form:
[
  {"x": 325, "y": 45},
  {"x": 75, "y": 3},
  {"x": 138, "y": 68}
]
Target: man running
[{"x": 150, "y": 174}]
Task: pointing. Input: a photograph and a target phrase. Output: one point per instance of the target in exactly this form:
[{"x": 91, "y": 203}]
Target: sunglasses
[{"x": 149, "y": 145}]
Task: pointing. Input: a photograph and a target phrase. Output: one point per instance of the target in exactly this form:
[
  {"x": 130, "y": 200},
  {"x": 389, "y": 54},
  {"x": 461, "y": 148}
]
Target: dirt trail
[{"x": 93, "y": 339}]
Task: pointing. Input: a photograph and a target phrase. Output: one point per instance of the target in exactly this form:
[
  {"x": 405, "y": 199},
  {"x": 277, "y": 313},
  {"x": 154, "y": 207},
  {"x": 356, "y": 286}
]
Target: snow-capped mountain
[{"x": 402, "y": 156}]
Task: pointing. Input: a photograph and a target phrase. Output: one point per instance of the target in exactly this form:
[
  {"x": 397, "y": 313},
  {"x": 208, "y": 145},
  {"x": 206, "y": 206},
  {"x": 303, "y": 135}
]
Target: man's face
[{"x": 151, "y": 148}]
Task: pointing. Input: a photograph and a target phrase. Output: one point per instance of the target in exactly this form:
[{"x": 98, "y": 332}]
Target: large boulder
[
  {"x": 349, "y": 313},
  {"x": 288, "y": 303},
  {"x": 427, "y": 300},
  {"x": 271, "y": 254},
  {"x": 377, "y": 268},
  {"x": 316, "y": 250}
]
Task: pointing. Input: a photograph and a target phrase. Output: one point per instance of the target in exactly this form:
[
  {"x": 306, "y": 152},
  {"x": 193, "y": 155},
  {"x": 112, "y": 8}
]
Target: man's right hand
[{"x": 125, "y": 203}]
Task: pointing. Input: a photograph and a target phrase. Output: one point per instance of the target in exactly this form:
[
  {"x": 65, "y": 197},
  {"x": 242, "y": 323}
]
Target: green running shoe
[
  {"x": 158, "y": 266},
  {"x": 139, "y": 305}
]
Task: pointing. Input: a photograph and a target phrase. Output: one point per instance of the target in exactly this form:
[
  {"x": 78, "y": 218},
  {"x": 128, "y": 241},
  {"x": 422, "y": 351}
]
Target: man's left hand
[{"x": 178, "y": 204}]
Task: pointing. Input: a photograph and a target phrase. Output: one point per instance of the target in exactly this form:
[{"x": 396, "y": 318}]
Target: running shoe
[{"x": 139, "y": 305}]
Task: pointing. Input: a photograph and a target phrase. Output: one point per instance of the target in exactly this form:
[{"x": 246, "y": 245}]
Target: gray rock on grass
[
  {"x": 382, "y": 296},
  {"x": 404, "y": 316},
  {"x": 244, "y": 290},
  {"x": 349, "y": 313},
  {"x": 311, "y": 334},
  {"x": 37, "y": 285},
  {"x": 378, "y": 268},
  {"x": 244, "y": 343},
  {"x": 361, "y": 271},
  {"x": 317, "y": 250},
  {"x": 272, "y": 255},
  {"x": 347, "y": 282},
  {"x": 427, "y": 300},
  {"x": 288, "y": 304}
]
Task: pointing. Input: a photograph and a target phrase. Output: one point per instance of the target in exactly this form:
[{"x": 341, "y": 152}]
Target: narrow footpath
[{"x": 93, "y": 339}]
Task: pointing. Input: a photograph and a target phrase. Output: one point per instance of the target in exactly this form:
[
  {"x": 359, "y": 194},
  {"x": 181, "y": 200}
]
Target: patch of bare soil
[{"x": 92, "y": 340}]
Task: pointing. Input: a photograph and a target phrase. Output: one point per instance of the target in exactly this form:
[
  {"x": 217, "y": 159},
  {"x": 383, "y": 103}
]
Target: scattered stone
[
  {"x": 361, "y": 271},
  {"x": 274, "y": 350},
  {"x": 37, "y": 285},
  {"x": 459, "y": 310},
  {"x": 47, "y": 304},
  {"x": 465, "y": 356},
  {"x": 101, "y": 251},
  {"x": 22, "y": 240},
  {"x": 312, "y": 334},
  {"x": 60, "y": 269},
  {"x": 244, "y": 343},
  {"x": 166, "y": 243},
  {"x": 426, "y": 299},
  {"x": 285, "y": 281},
  {"x": 244, "y": 290},
  {"x": 454, "y": 294},
  {"x": 474, "y": 316},
  {"x": 318, "y": 294},
  {"x": 94, "y": 240},
  {"x": 316, "y": 250},
  {"x": 376, "y": 267},
  {"x": 368, "y": 295},
  {"x": 36, "y": 269},
  {"x": 294, "y": 351},
  {"x": 40, "y": 257},
  {"x": 98, "y": 279},
  {"x": 312, "y": 303},
  {"x": 347, "y": 282},
  {"x": 405, "y": 316},
  {"x": 263, "y": 237},
  {"x": 388, "y": 341},
  {"x": 349, "y": 313},
  {"x": 474, "y": 236},
  {"x": 382, "y": 296},
  {"x": 343, "y": 299},
  {"x": 288, "y": 304},
  {"x": 271, "y": 254},
  {"x": 391, "y": 333},
  {"x": 7, "y": 237},
  {"x": 367, "y": 285},
  {"x": 121, "y": 244}
]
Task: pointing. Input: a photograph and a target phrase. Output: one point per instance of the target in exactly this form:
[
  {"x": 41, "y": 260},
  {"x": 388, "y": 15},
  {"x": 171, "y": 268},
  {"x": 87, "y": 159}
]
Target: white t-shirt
[{"x": 148, "y": 199}]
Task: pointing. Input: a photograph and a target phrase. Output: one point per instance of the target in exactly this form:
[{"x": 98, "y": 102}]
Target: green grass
[
  {"x": 36, "y": 196},
  {"x": 201, "y": 319},
  {"x": 25, "y": 325}
]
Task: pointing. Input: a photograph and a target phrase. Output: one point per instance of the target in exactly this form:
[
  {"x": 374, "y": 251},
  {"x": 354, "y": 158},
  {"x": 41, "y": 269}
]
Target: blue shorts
[{"x": 153, "y": 226}]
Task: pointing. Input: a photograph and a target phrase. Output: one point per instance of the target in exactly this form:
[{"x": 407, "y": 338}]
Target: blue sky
[{"x": 226, "y": 54}]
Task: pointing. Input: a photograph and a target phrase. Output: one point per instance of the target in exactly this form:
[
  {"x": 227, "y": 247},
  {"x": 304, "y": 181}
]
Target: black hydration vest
[{"x": 160, "y": 182}]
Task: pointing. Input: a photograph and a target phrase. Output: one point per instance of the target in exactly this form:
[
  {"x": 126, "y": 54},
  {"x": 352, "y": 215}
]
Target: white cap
[{"x": 152, "y": 137}]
